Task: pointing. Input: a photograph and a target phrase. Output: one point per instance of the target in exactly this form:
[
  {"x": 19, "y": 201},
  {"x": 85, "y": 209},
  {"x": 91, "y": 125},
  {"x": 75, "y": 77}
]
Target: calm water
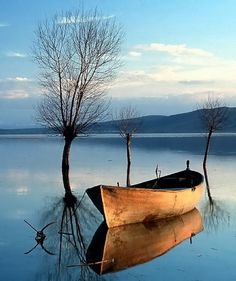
[{"x": 31, "y": 190}]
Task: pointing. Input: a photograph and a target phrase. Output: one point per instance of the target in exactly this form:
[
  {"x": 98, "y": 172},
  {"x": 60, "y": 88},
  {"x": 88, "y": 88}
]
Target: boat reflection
[{"x": 121, "y": 247}]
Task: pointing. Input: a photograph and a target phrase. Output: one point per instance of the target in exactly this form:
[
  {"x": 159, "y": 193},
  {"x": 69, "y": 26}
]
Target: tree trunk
[
  {"x": 207, "y": 146},
  {"x": 66, "y": 166},
  {"x": 207, "y": 185},
  {"x": 128, "y": 147}
]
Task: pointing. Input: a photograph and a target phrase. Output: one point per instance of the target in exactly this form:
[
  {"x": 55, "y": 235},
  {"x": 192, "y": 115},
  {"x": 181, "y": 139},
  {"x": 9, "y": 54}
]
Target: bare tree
[
  {"x": 78, "y": 54},
  {"x": 128, "y": 124},
  {"x": 213, "y": 114}
]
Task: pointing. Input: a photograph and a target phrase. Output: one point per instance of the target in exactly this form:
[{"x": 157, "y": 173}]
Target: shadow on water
[{"x": 214, "y": 212}]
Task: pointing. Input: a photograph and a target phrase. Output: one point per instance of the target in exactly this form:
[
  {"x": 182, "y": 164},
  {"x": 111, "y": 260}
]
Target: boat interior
[{"x": 181, "y": 180}]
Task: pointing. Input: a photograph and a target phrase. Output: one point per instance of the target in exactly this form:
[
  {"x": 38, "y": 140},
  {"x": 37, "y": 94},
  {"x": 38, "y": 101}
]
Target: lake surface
[{"x": 31, "y": 189}]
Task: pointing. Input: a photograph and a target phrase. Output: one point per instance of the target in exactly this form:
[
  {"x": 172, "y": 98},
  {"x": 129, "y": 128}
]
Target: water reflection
[
  {"x": 39, "y": 238},
  {"x": 215, "y": 214},
  {"x": 66, "y": 239},
  {"x": 191, "y": 143},
  {"x": 81, "y": 253},
  {"x": 34, "y": 165},
  {"x": 121, "y": 247}
]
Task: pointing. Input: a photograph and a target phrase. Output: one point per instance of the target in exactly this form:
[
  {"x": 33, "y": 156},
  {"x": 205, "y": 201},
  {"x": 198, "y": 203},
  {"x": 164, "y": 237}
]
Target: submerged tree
[
  {"x": 128, "y": 124},
  {"x": 213, "y": 114},
  {"x": 78, "y": 54}
]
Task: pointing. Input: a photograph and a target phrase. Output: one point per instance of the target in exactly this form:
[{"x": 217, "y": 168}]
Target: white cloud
[
  {"x": 78, "y": 19},
  {"x": 22, "y": 190},
  {"x": 175, "y": 79},
  {"x": 129, "y": 79},
  {"x": 18, "y": 87},
  {"x": 16, "y": 55},
  {"x": 135, "y": 54},
  {"x": 173, "y": 50},
  {"x": 14, "y": 94},
  {"x": 186, "y": 68},
  {"x": 195, "y": 82},
  {"x": 19, "y": 79}
]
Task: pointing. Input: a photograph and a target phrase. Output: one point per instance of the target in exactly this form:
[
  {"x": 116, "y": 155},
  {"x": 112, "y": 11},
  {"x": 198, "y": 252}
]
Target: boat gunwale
[{"x": 143, "y": 189}]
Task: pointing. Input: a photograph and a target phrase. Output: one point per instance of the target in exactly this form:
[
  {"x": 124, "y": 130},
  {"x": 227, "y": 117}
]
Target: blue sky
[{"x": 175, "y": 53}]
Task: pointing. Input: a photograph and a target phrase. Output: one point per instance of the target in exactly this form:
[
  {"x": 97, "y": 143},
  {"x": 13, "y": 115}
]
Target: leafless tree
[
  {"x": 213, "y": 114},
  {"x": 128, "y": 123},
  {"x": 78, "y": 54}
]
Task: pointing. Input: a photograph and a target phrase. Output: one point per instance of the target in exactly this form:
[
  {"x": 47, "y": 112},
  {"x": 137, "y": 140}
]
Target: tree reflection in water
[
  {"x": 214, "y": 212},
  {"x": 39, "y": 238},
  {"x": 68, "y": 239}
]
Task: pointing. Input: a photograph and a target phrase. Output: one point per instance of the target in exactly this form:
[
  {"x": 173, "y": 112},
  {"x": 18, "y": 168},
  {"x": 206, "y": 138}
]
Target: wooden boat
[
  {"x": 163, "y": 197},
  {"x": 117, "y": 248}
]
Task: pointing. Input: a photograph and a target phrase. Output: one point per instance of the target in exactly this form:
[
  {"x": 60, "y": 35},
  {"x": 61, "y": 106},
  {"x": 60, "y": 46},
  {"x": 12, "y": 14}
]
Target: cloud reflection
[{"x": 24, "y": 190}]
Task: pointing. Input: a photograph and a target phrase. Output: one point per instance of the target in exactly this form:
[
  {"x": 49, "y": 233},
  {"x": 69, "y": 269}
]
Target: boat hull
[
  {"x": 122, "y": 205},
  {"x": 125, "y": 206}
]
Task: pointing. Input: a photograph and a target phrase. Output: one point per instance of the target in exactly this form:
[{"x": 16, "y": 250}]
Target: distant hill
[
  {"x": 27, "y": 131},
  {"x": 179, "y": 123}
]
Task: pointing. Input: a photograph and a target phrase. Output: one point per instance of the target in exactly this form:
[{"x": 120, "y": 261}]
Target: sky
[{"x": 175, "y": 53}]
